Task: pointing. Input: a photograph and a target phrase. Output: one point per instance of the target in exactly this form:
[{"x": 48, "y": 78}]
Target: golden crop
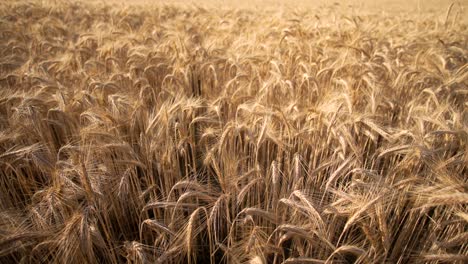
[{"x": 181, "y": 133}]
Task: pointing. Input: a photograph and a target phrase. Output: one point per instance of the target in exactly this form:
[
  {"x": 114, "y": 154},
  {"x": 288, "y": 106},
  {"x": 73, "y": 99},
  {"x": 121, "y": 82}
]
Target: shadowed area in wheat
[{"x": 181, "y": 134}]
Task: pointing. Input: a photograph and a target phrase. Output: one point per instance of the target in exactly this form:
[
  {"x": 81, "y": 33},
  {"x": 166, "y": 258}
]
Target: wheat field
[{"x": 250, "y": 132}]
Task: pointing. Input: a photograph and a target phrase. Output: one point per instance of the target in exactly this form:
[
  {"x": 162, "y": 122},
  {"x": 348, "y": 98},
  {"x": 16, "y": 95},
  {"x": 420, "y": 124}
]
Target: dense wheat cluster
[{"x": 187, "y": 134}]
